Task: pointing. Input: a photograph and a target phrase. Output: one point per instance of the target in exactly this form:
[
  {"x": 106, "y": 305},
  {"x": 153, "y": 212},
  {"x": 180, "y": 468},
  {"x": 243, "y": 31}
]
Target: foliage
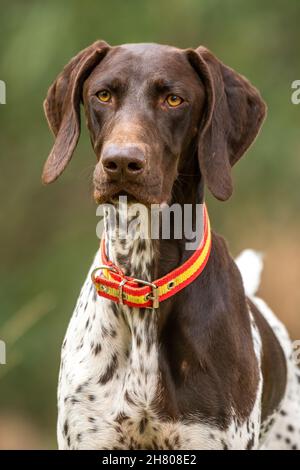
[{"x": 48, "y": 234}]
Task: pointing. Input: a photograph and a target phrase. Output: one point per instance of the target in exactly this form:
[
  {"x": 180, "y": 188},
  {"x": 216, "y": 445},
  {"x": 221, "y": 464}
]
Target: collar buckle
[
  {"x": 153, "y": 295},
  {"x": 122, "y": 283}
]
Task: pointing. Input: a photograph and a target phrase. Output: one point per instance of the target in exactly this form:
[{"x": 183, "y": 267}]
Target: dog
[{"x": 208, "y": 366}]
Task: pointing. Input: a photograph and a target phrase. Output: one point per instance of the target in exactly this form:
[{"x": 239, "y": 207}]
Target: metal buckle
[
  {"x": 150, "y": 296},
  {"x": 122, "y": 283},
  {"x": 102, "y": 266},
  {"x": 154, "y": 297}
]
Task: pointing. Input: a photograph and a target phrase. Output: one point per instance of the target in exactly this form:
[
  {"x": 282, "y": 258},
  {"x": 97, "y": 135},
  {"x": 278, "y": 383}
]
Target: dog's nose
[{"x": 123, "y": 162}]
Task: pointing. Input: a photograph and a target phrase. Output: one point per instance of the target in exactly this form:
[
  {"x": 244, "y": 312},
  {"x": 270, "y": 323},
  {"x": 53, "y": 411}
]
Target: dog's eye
[
  {"x": 174, "y": 100},
  {"x": 104, "y": 96}
]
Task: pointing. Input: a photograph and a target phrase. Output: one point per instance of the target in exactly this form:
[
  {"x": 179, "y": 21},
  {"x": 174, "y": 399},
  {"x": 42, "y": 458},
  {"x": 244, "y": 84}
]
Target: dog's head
[{"x": 153, "y": 111}]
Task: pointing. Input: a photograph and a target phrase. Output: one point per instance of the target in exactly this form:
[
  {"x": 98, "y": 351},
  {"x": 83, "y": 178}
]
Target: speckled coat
[{"x": 111, "y": 378}]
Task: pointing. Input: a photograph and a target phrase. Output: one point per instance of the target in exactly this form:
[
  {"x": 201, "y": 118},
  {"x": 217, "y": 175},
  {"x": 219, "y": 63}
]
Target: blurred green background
[{"x": 48, "y": 233}]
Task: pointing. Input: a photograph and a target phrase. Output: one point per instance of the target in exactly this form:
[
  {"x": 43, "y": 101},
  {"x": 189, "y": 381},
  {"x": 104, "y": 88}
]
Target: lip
[
  {"x": 108, "y": 192},
  {"x": 130, "y": 197}
]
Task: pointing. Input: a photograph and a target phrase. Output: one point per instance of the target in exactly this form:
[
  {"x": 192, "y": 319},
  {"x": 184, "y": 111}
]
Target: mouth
[{"x": 110, "y": 193}]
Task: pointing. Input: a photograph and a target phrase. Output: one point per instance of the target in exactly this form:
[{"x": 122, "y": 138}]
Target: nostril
[
  {"x": 111, "y": 165},
  {"x": 123, "y": 162},
  {"x": 134, "y": 166}
]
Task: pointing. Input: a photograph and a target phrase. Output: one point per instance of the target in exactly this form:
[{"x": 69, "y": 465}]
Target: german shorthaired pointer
[{"x": 211, "y": 367}]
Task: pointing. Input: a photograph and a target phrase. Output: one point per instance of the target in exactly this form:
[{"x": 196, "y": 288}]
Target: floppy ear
[
  {"x": 62, "y": 108},
  {"x": 234, "y": 114}
]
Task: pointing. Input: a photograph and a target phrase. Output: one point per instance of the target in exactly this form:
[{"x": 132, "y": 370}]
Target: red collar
[{"x": 112, "y": 284}]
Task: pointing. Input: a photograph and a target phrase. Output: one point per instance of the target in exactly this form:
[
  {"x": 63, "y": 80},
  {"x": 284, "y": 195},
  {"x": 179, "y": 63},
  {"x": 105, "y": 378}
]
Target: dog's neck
[{"x": 128, "y": 245}]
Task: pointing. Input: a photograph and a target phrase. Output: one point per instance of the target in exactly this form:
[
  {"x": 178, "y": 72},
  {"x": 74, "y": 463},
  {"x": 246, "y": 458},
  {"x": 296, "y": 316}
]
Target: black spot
[
  {"x": 97, "y": 349},
  {"x": 110, "y": 370},
  {"x": 118, "y": 429},
  {"x": 294, "y": 447},
  {"x": 224, "y": 445},
  {"x": 128, "y": 398},
  {"x": 287, "y": 440},
  {"x": 138, "y": 341},
  {"x": 93, "y": 429},
  {"x": 78, "y": 437},
  {"x": 69, "y": 441},
  {"x": 141, "y": 246},
  {"x": 115, "y": 310},
  {"x": 91, "y": 397},
  {"x": 121, "y": 417},
  {"x": 66, "y": 428},
  {"x": 282, "y": 412},
  {"x": 250, "y": 443},
  {"x": 87, "y": 323},
  {"x": 271, "y": 422},
  {"x": 79, "y": 389},
  {"x": 168, "y": 444},
  {"x": 290, "y": 428},
  {"x": 142, "y": 425},
  {"x": 278, "y": 436},
  {"x": 91, "y": 419}
]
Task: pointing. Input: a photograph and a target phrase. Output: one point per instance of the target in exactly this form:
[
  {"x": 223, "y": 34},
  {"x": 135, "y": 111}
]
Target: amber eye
[
  {"x": 104, "y": 96},
  {"x": 174, "y": 100}
]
